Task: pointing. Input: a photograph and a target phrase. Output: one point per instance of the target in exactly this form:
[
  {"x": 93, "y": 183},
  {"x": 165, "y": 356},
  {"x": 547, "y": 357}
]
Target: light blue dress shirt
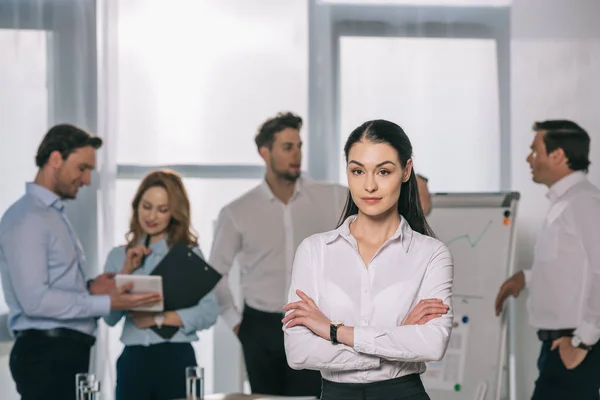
[
  {"x": 199, "y": 317},
  {"x": 41, "y": 265}
]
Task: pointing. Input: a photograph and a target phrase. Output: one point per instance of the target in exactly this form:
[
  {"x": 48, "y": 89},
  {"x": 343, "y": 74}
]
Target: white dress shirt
[
  {"x": 374, "y": 299},
  {"x": 262, "y": 233},
  {"x": 564, "y": 282}
]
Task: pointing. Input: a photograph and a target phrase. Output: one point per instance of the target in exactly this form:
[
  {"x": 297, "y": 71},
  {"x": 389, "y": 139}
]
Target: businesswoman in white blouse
[{"x": 352, "y": 288}]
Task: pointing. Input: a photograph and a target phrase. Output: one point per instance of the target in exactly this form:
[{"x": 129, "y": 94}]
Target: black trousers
[
  {"x": 155, "y": 372},
  {"x": 45, "y": 367},
  {"x": 405, "y": 387},
  {"x": 261, "y": 336},
  {"x": 558, "y": 383}
]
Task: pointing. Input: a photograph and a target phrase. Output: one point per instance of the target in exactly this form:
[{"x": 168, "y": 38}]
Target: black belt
[
  {"x": 253, "y": 312},
  {"x": 64, "y": 333},
  {"x": 546, "y": 334}
]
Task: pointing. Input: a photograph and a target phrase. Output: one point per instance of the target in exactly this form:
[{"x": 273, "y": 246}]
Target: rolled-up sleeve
[{"x": 304, "y": 349}]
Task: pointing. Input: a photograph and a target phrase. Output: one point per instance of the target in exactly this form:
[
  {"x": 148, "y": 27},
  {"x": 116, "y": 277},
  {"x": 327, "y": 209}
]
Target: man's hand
[
  {"x": 121, "y": 300},
  {"x": 103, "y": 284},
  {"x": 134, "y": 258},
  {"x": 569, "y": 355},
  {"x": 142, "y": 319},
  {"x": 425, "y": 311},
  {"x": 512, "y": 287},
  {"x": 236, "y": 329}
]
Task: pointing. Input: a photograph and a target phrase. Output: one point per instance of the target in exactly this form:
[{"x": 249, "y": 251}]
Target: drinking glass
[
  {"x": 82, "y": 379},
  {"x": 194, "y": 383},
  {"x": 90, "y": 391}
]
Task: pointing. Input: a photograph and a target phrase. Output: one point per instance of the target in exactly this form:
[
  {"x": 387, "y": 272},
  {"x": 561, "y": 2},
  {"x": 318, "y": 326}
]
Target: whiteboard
[{"x": 478, "y": 229}]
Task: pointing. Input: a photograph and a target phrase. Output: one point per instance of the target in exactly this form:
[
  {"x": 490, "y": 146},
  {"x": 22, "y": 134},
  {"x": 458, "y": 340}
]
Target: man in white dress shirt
[
  {"x": 564, "y": 282},
  {"x": 261, "y": 231}
]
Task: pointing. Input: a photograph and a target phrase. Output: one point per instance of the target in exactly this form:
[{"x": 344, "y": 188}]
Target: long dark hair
[{"x": 409, "y": 204}]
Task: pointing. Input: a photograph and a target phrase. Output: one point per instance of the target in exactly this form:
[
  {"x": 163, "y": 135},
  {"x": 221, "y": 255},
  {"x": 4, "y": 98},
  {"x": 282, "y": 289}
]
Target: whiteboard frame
[{"x": 508, "y": 336}]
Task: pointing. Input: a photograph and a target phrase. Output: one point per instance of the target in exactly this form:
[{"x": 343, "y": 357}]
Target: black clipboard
[{"x": 186, "y": 278}]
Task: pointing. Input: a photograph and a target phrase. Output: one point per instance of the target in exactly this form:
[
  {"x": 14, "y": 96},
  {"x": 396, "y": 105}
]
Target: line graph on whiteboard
[{"x": 472, "y": 240}]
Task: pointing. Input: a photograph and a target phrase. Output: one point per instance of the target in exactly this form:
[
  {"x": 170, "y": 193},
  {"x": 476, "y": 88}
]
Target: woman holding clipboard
[
  {"x": 352, "y": 288},
  {"x": 151, "y": 366}
]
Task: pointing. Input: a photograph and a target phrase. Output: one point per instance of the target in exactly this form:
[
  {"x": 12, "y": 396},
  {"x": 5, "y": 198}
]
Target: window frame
[{"x": 337, "y": 20}]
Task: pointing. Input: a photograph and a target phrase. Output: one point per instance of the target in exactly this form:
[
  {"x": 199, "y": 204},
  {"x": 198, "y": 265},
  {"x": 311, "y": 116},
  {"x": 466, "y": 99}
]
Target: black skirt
[{"x": 405, "y": 387}]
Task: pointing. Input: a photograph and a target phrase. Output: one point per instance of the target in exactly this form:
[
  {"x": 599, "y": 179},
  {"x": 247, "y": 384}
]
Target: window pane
[
  {"x": 442, "y": 92},
  {"x": 23, "y": 112},
  {"x": 196, "y": 78},
  {"x": 207, "y": 197},
  {"x": 459, "y": 3}
]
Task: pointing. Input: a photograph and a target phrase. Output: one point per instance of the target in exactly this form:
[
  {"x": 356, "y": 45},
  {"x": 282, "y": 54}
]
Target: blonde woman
[{"x": 151, "y": 367}]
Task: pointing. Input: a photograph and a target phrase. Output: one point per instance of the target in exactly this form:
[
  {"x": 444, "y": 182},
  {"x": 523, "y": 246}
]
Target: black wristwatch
[
  {"x": 576, "y": 342},
  {"x": 333, "y": 328}
]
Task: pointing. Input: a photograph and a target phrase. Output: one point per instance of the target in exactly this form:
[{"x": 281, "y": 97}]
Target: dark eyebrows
[
  {"x": 86, "y": 166},
  {"x": 144, "y": 201},
  {"x": 381, "y": 164}
]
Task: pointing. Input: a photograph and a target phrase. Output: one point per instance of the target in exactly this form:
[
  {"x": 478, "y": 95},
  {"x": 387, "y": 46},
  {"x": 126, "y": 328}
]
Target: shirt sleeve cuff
[
  {"x": 232, "y": 317},
  {"x": 588, "y": 333},
  {"x": 364, "y": 340},
  {"x": 527, "y": 274},
  {"x": 99, "y": 305},
  {"x": 188, "y": 317}
]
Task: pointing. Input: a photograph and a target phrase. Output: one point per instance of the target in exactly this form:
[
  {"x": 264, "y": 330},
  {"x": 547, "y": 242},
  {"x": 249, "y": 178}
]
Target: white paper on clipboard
[{"x": 143, "y": 284}]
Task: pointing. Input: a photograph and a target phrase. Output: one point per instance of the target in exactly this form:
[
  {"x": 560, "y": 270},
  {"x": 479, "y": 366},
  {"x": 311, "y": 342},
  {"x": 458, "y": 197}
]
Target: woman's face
[
  {"x": 154, "y": 213},
  {"x": 375, "y": 177}
]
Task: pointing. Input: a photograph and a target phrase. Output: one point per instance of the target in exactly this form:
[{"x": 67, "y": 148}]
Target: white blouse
[{"x": 374, "y": 300}]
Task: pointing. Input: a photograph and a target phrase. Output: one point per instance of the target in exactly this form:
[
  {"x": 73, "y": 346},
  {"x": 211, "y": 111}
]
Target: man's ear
[
  {"x": 558, "y": 157},
  {"x": 55, "y": 160},
  {"x": 264, "y": 152}
]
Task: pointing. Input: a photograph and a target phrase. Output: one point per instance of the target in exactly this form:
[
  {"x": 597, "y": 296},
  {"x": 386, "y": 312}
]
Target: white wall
[{"x": 554, "y": 73}]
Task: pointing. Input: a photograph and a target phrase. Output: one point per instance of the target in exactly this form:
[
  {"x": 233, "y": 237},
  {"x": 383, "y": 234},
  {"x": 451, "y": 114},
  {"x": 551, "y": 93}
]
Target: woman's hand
[
  {"x": 425, "y": 311},
  {"x": 306, "y": 313},
  {"x": 134, "y": 258},
  {"x": 142, "y": 319}
]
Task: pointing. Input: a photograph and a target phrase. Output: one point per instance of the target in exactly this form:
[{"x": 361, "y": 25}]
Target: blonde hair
[{"x": 179, "y": 228}]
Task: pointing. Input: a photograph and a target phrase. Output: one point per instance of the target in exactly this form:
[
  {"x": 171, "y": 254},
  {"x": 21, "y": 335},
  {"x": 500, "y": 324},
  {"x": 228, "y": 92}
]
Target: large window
[
  {"x": 444, "y": 94},
  {"x": 195, "y": 85},
  {"x": 23, "y": 109}
]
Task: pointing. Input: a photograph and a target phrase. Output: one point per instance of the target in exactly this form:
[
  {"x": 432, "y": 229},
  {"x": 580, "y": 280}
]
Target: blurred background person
[
  {"x": 151, "y": 367},
  {"x": 52, "y": 308},
  {"x": 261, "y": 230}
]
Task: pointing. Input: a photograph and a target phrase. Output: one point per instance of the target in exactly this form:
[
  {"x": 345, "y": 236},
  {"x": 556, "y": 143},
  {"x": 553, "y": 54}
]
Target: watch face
[
  {"x": 575, "y": 341},
  {"x": 337, "y": 323}
]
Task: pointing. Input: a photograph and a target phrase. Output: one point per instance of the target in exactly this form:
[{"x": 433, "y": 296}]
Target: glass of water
[
  {"x": 90, "y": 391},
  {"x": 82, "y": 380},
  {"x": 194, "y": 383}
]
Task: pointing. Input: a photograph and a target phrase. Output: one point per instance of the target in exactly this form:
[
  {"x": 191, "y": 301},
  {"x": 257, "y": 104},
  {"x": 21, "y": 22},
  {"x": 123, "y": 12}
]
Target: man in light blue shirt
[{"x": 53, "y": 310}]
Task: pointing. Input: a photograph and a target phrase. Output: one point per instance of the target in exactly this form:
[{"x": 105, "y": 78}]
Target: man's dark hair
[
  {"x": 266, "y": 133},
  {"x": 571, "y": 138},
  {"x": 65, "y": 139}
]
